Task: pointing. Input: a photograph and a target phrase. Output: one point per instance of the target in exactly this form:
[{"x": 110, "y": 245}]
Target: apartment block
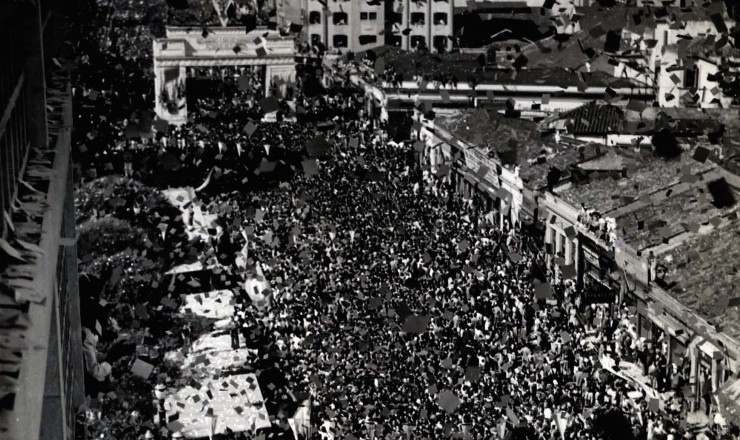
[
  {"x": 344, "y": 25},
  {"x": 415, "y": 25}
]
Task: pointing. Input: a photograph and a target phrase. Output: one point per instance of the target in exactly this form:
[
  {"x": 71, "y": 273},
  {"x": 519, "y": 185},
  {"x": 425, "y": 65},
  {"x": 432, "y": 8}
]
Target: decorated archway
[{"x": 226, "y": 46}]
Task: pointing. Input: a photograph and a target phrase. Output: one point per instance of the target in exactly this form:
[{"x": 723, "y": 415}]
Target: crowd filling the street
[{"x": 390, "y": 305}]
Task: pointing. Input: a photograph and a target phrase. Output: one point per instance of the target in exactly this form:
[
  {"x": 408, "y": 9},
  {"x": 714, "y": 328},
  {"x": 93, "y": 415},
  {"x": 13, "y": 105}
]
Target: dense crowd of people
[
  {"x": 395, "y": 304},
  {"x": 402, "y": 309}
]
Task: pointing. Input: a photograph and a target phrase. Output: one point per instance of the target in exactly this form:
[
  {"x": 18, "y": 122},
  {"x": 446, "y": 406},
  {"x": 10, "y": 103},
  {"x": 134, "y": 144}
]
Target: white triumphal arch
[{"x": 219, "y": 46}]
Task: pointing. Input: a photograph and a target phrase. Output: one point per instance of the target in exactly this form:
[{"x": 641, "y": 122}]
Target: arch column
[
  {"x": 170, "y": 94},
  {"x": 282, "y": 74}
]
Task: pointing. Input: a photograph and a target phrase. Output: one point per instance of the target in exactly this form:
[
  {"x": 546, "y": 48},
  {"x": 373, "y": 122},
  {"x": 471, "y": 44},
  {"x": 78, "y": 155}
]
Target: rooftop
[
  {"x": 683, "y": 121},
  {"x": 702, "y": 274},
  {"x": 594, "y": 118},
  {"x": 646, "y": 173},
  {"x": 534, "y": 154},
  {"x": 463, "y": 66},
  {"x": 683, "y": 208}
]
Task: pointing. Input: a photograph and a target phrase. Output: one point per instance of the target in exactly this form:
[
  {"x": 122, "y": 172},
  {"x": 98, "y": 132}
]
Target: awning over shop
[
  {"x": 706, "y": 347},
  {"x": 503, "y": 194},
  {"x": 670, "y": 325}
]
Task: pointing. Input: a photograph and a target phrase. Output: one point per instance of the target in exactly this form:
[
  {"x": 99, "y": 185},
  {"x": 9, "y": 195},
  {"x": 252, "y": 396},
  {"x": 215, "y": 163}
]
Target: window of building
[
  {"x": 396, "y": 17},
  {"x": 368, "y": 39},
  {"x": 340, "y": 40},
  {"x": 418, "y": 42},
  {"x": 339, "y": 18},
  {"x": 393, "y": 40},
  {"x": 417, "y": 18},
  {"x": 314, "y": 17},
  {"x": 372, "y": 16},
  {"x": 440, "y": 43},
  {"x": 440, "y": 18},
  {"x": 315, "y": 39}
]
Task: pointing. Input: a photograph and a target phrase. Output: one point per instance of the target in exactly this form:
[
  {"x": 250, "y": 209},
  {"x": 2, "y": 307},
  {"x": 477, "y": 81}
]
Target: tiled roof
[
  {"x": 487, "y": 128},
  {"x": 563, "y": 156},
  {"x": 594, "y": 118},
  {"x": 646, "y": 174},
  {"x": 703, "y": 274},
  {"x": 682, "y": 208},
  {"x": 535, "y": 156}
]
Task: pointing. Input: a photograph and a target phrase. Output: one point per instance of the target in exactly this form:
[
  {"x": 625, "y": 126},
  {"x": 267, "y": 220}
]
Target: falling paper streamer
[{"x": 206, "y": 182}]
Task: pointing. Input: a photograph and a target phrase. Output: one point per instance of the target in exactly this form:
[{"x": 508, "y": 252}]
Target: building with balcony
[
  {"x": 420, "y": 25},
  {"x": 344, "y": 26},
  {"x": 41, "y": 351},
  {"x": 685, "y": 51},
  {"x": 652, "y": 226},
  {"x": 640, "y": 225}
]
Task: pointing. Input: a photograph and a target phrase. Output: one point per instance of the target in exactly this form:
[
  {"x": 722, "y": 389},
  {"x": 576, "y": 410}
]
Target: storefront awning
[
  {"x": 503, "y": 194},
  {"x": 706, "y": 347}
]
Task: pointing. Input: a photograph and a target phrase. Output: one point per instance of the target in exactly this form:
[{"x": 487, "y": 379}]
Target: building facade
[
  {"x": 344, "y": 26},
  {"x": 685, "y": 60},
  {"x": 420, "y": 25},
  {"x": 624, "y": 259},
  {"x": 45, "y": 363}
]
